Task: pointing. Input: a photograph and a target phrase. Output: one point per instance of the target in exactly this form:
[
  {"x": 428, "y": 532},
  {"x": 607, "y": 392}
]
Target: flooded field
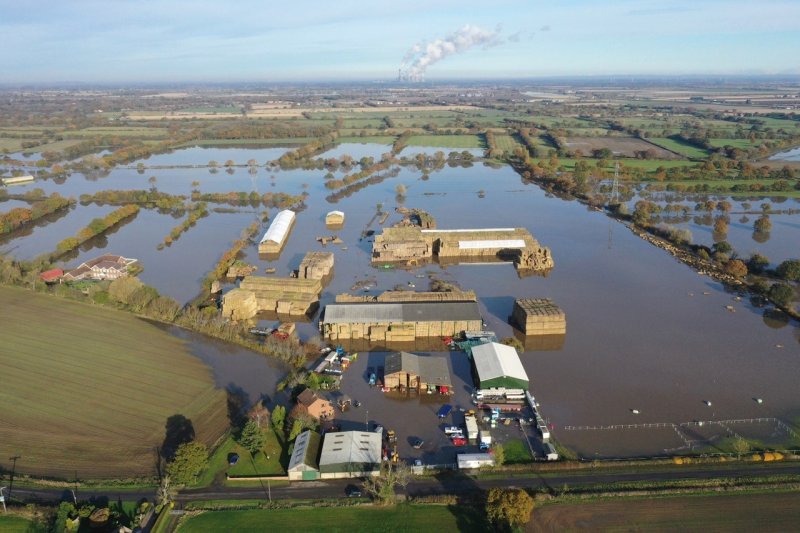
[
  {"x": 644, "y": 331},
  {"x": 789, "y": 155}
]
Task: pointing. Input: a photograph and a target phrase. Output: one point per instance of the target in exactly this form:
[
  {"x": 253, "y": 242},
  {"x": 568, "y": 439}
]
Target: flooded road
[{"x": 644, "y": 331}]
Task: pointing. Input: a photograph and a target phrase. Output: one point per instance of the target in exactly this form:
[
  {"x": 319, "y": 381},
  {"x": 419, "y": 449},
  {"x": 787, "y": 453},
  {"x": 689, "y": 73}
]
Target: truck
[
  {"x": 452, "y": 430},
  {"x": 472, "y": 427},
  {"x": 485, "y": 440}
]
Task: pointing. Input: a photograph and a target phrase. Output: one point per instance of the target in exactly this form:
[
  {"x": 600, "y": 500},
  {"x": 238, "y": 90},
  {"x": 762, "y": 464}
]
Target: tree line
[{"x": 20, "y": 216}]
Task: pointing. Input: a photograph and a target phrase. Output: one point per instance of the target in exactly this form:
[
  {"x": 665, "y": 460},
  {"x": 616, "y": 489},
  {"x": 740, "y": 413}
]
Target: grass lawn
[
  {"x": 437, "y": 518},
  {"x": 13, "y": 524},
  {"x": 679, "y": 147},
  {"x": 517, "y": 452},
  {"x": 271, "y": 462},
  {"x": 447, "y": 141},
  {"x": 93, "y": 388}
]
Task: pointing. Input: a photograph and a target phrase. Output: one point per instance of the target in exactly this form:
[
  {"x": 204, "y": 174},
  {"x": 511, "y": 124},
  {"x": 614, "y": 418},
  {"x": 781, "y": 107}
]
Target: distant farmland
[{"x": 88, "y": 390}]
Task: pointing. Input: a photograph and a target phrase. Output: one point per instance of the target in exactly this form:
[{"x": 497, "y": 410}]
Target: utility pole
[{"x": 13, "y": 471}]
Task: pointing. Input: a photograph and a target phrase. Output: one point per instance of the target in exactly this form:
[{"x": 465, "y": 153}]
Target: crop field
[
  {"x": 679, "y": 147},
  {"x": 447, "y": 141},
  {"x": 92, "y": 388},
  {"x": 398, "y": 518},
  {"x": 717, "y": 512},
  {"x": 624, "y": 146}
]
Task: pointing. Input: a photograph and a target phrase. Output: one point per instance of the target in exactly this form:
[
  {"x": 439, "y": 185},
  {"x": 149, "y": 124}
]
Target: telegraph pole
[{"x": 13, "y": 471}]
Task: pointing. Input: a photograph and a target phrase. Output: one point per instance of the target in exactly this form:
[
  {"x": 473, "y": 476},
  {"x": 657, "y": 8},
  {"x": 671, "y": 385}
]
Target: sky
[{"x": 165, "y": 41}]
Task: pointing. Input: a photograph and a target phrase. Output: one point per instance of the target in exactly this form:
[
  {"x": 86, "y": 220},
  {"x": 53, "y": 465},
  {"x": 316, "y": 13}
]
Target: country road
[{"x": 448, "y": 483}]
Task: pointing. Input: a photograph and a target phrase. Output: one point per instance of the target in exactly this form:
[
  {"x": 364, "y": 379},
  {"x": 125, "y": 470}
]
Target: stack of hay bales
[
  {"x": 410, "y": 296},
  {"x": 334, "y": 219},
  {"x": 239, "y": 304},
  {"x": 316, "y": 265},
  {"x": 401, "y": 244},
  {"x": 539, "y": 316}
]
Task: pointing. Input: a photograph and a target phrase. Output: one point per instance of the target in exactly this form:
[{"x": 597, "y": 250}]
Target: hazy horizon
[{"x": 202, "y": 41}]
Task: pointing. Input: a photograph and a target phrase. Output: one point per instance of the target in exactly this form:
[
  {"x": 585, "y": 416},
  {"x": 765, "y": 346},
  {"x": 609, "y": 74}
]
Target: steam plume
[{"x": 422, "y": 55}]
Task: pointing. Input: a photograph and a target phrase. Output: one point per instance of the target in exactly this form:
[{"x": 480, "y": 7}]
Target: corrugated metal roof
[
  {"x": 495, "y": 360},
  {"x": 465, "y": 230},
  {"x": 497, "y": 243},
  {"x": 351, "y": 447},
  {"x": 380, "y": 312},
  {"x": 430, "y": 369},
  {"x": 306, "y": 446},
  {"x": 280, "y": 227}
]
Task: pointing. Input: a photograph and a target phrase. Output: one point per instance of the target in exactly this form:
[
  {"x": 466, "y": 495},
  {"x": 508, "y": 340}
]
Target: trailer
[
  {"x": 485, "y": 439},
  {"x": 472, "y": 427}
]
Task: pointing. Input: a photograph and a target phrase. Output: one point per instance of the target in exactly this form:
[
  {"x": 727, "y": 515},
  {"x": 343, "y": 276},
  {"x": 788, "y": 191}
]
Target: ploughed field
[{"x": 87, "y": 391}]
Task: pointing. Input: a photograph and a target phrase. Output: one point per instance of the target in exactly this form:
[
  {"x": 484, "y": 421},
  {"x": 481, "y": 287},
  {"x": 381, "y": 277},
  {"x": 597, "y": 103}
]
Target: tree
[
  {"x": 122, "y": 289},
  {"x": 741, "y": 446},
  {"x": 191, "y": 458},
  {"x": 509, "y": 508},
  {"x": 514, "y": 343},
  {"x": 382, "y": 486},
  {"x": 781, "y": 294},
  {"x": 165, "y": 492},
  {"x": 789, "y": 270},
  {"x": 278, "y": 418},
  {"x": 252, "y": 438},
  {"x": 736, "y": 268},
  {"x": 499, "y": 454},
  {"x": 757, "y": 263},
  {"x": 762, "y": 224}
]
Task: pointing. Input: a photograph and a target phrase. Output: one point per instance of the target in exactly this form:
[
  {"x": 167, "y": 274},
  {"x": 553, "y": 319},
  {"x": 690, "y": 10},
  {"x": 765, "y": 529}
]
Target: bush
[
  {"x": 781, "y": 294},
  {"x": 789, "y": 270}
]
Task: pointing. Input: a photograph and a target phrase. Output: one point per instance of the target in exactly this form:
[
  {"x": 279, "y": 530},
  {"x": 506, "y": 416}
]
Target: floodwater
[
  {"x": 644, "y": 331},
  {"x": 789, "y": 155}
]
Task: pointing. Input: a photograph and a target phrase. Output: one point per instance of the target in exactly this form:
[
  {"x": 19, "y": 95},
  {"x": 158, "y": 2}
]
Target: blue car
[{"x": 444, "y": 411}]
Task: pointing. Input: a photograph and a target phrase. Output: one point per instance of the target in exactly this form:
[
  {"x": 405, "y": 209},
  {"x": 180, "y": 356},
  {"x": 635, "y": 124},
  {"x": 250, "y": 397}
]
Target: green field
[
  {"x": 55, "y": 146},
  {"x": 247, "y": 142},
  {"x": 92, "y": 388},
  {"x": 378, "y": 139},
  {"x": 437, "y": 518},
  {"x": 647, "y": 164},
  {"x": 517, "y": 452},
  {"x": 14, "y": 524},
  {"x": 124, "y": 131},
  {"x": 679, "y": 147},
  {"x": 12, "y": 145},
  {"x": 446, "y": 141},
  {"x": 506, "y": 143},
  {"x": 736, "y": 143}
]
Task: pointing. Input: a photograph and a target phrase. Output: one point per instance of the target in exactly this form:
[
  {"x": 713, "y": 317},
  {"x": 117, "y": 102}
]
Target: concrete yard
[{"x": 415, "y": 416}]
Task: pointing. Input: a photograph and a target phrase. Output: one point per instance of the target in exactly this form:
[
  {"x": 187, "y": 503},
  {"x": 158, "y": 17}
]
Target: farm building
[
  {"x": 303, "y": 465},
  {"x": 277, "y": 233},
  {"x": 539, "y": 316},
  {"x": 285, "y": 296},
  {"x": 17, "y": 180},
  {"x": 334, "y": 219},
  {"x": 474, "y": 460},
  {"x": 400, "y": 321},
  {"x": 498, "y": 365},
  {"x": 347, "y": 454},
  {"x": 309, "y": 403},
  {"x": 104, "y": 267},
  {"x": 413, "y": 245},
  {"x": 316, "y": 265},
  {"x": 51, "y": 276},
  {"x": 424, "y": 373}
]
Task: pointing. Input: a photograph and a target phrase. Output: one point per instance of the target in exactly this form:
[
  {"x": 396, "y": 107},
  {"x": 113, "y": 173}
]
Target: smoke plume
[{"x": 423, "y": 55}]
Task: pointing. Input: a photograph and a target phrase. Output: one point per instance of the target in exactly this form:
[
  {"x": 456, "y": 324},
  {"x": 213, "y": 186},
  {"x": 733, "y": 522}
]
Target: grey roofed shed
[
  {"x": 350, "y": 313},
  {"x": 431, "y": 370},
  {"x": 351, "y": 452}
]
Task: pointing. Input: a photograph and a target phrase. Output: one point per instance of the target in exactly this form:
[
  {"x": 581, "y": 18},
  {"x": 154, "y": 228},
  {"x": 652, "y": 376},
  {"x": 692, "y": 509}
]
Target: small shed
[
  {"x": 550, "y": 452},
  {"x": 304, "y": 463},
  {"x": 334, "y": 218},
  {"x": 498, "y": 365},
  {"x": 467, "y": 461}
]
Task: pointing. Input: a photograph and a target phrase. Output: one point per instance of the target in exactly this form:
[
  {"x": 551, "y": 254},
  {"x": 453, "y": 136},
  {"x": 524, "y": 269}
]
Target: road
[{"x": 448, "y": 483}]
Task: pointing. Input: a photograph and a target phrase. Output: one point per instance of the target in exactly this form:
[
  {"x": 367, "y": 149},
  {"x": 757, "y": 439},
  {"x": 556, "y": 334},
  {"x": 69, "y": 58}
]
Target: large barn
[
  {"x": 498, "y": 365},
  {"x": 348, "y": 454},
  {"x": 303, "y": 464},
  {"x": 408, "y": 371}
]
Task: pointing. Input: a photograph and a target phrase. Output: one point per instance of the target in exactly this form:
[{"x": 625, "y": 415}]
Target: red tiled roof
[{"x": 51, "y": 275}]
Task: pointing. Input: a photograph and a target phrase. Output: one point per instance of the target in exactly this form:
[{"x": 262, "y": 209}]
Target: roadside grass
[
  {"x": 93, "y": 389},
  {"x": 679, "y": 147},
  {"x": 516, "y": 452},
  {"x": 399, "y": 518},
  {"x": 14, "y": 524},
  {"x": 446, "y": 141}
]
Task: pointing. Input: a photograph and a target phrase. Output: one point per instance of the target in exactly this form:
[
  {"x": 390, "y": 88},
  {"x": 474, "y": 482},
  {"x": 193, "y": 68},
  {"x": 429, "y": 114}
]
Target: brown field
[
  {"x": 88, "y": 390},
  {"x": 624, "y": 146},
  {"x": 713, "y": 512}
]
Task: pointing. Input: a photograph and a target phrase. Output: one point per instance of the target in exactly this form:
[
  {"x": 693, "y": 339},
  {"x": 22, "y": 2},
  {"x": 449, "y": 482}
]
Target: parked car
[
  {"x": 483, "y": 446},
  {"x": 352, "y": 491},
  {"x": 233, "y": 458},
  {"x": 444, "y": 410},
  {"x": 417, "y": 444},
  {"x": 459, "y": 441}
]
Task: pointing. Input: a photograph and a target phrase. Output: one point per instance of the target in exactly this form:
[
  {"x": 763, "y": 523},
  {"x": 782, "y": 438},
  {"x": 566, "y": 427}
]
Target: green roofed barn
[
  {"x": 498, "y": 365},
  {"x": 303, "y": 464}
]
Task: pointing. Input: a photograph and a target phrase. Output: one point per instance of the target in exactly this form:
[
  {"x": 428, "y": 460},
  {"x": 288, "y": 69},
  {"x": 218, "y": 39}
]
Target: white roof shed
[
  {"x": 495, "y": 361},
  {"x": 280, "y": 227}
]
